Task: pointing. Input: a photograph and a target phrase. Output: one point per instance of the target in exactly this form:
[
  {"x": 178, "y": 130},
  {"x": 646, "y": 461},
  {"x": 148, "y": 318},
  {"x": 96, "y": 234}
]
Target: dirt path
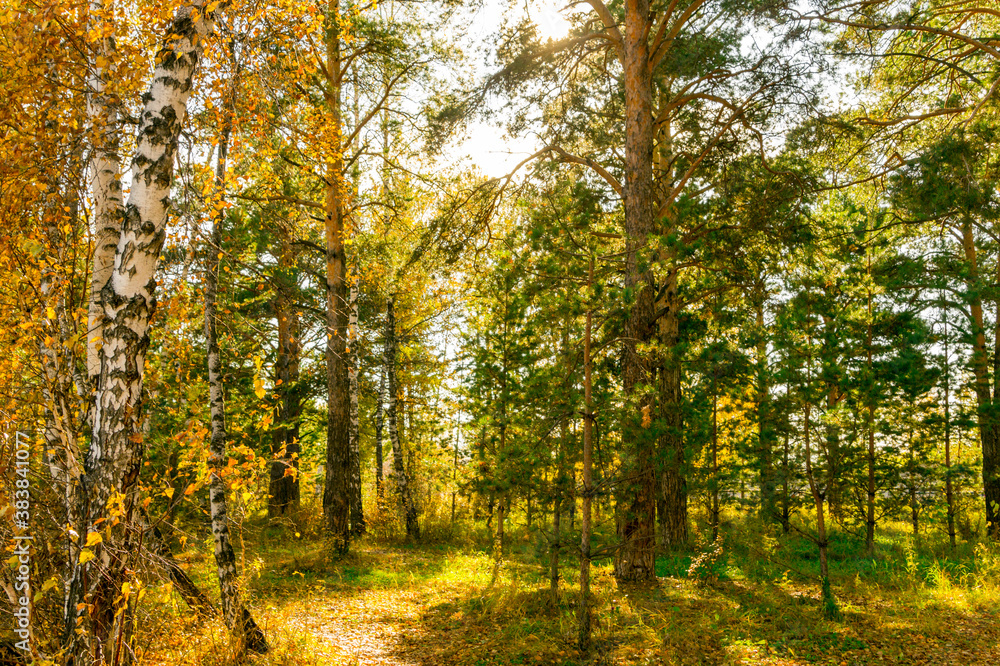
[{"x": 370, "y": 628}]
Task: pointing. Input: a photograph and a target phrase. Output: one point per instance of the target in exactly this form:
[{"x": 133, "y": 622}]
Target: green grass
[{"x": 914, "y": 602}]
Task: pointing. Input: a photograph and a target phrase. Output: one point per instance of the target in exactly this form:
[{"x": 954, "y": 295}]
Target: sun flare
[{"x": 551, "y": 23}]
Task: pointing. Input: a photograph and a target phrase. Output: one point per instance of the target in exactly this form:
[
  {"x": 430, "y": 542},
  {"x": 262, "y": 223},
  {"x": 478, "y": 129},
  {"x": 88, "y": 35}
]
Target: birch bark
[
  {"x": 358, "y": 526},
  {"x": 247, "y": 634},
  {"x": 379, "y": 424},
  {"x": 406, "y": 504},
  {"x": 59, "y": 371},
  {"x": 157, "y": 547},
  {"x": 127, "y": 302},
  {"x": 105, "y": 174},
  {"x": 354, "y": 480}
]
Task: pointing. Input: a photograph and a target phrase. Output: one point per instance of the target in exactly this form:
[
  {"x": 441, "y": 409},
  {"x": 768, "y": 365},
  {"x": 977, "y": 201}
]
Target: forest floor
[{"x": 436, "y": 605}]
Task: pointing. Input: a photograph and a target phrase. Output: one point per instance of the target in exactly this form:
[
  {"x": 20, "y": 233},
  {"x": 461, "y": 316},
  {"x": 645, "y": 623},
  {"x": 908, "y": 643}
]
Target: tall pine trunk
[
  {"x": 583, "y": 611},
  {"x": 572, "y": 500},
  {"x": 786, "y": 497},
  {"x": 870, "y": 487},
  {"x": 912, "y": 485},
  {"x": 336, "y": 502},
  {"x": 834, "y": 493},
  {"x": 870, "y": 494},
  {"x": 673, "y": 499},
  {"x": 765, "y": 432},
  {"x": 554, "y": 548},
  {"x": 948, "y": 484},
  {"x": 989, "y": 429},
  {"x": 714, "y": 482},
  {"x": 499, "y": 538},
  {"x": 454, "y": 470},
  {"x": 558, "y": 488},
  {"x": 635, "y": 513},
  {"x": 283, "y": 486}
]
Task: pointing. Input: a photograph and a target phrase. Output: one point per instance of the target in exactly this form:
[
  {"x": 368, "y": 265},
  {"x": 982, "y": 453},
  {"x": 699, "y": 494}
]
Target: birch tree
[
  {"x": 393, "y": 416},
  {"x": 109, "y": 483},
  {"x": 354, "y": 482},
  {"x": 238, "y": 619}
]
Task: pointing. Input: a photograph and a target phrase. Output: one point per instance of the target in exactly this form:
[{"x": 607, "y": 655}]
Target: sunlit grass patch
[{"x": 438, "y": 605}]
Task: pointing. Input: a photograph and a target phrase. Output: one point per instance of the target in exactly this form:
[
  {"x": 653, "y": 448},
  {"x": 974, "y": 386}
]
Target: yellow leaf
[
  {"x": 126, "y": 588},
  {"x": 93, "y": 538},
  {"x": 190, "y": 489},
  {"x": 86, "y": 556},
  {"x": 247, "y": 496},
  {"x": 169, "y": 492}
]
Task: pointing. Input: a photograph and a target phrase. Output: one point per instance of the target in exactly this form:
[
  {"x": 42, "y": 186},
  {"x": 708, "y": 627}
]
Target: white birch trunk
[
  {"x": 59, "y": 372},
  {"x": 245, "y": 631},
  {"x": 354, "y": 478},
  {"x": 398, "y": 460},
  {"x": 113, "y": 462},
  {"x": 105, "y": 176},
  {"x": 379, "y": 421}
]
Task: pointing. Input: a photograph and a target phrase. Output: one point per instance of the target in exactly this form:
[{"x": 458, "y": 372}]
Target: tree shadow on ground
[{"x": 681, "y": 622}]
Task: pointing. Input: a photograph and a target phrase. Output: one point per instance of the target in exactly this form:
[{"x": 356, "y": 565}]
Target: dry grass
[{"x": 413, "y": 606}]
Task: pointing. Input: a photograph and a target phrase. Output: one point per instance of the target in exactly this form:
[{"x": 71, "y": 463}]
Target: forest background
[{"x": 482, "y": 333}]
